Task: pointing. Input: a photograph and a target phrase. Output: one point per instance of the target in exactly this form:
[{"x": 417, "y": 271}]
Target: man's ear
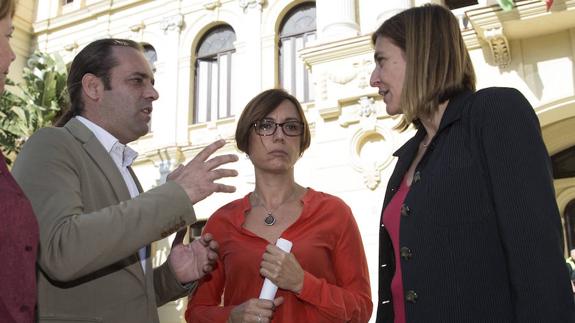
[{"x": 92, "y": 86}]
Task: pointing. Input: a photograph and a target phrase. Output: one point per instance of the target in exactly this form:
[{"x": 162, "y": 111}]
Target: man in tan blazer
[{"x": 95, "y": 223}]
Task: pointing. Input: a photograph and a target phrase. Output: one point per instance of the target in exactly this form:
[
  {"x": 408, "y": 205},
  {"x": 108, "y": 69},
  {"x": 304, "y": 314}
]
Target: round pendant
[{"x": 270, "y": 220}]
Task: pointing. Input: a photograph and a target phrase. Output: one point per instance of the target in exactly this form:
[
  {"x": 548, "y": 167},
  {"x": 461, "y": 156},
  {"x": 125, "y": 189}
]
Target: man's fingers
[
  {"x": 221, "y": 160},
  {"x": 221, "y": 173},
  {"x": 209, "y": 150},
  {"x": 225, "y": 188}
]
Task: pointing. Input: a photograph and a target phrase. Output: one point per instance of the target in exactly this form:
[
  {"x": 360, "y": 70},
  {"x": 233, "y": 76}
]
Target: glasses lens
[
  {"x": 265, "y": 127},
  {"x": 293, "y": 128}
]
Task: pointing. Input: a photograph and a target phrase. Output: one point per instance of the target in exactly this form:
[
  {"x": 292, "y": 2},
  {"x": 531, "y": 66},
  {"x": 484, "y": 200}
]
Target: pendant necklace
[{"x": 270, "y": 219}]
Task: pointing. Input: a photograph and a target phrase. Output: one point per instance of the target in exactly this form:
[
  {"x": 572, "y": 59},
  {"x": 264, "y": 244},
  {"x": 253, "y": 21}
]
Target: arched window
[
  {"x": 213, "y": 77},
  {"x": 564, "y": 163},
  {"x": 297, "y": 28}
]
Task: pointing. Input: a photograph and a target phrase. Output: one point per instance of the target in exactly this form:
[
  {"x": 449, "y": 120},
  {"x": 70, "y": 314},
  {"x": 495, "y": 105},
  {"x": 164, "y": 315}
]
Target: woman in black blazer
[{"x": 470, "y": 227}]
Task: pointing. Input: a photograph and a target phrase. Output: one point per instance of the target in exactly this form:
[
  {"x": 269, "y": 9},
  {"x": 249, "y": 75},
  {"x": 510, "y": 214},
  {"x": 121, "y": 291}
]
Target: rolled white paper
[{"x": 269, "y": 289}]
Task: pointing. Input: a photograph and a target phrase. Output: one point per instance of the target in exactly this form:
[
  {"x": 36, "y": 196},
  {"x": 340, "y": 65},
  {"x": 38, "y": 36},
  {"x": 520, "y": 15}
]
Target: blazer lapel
[
  {"x": 102, "y": 159},
  {"x": 148, "y": 262}
]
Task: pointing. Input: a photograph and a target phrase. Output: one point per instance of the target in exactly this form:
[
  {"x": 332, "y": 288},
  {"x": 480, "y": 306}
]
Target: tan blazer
[{"x": 91, "y": 230}]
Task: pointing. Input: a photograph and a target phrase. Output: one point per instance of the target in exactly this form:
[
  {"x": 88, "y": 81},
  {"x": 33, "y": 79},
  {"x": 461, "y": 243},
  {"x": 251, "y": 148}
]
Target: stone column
[
  {"x": 248, "y": 50},
  {"x": 166, "y": 108},
  {"x": 374, "y": 12},
  {"x": 336, "y": 19},
  {"x": 390, "y": 8}
]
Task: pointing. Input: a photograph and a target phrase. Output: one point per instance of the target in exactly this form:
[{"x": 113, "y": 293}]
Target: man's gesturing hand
[
  {"x": 198, "y": 176},
  {"x": 192, "y": 261}
]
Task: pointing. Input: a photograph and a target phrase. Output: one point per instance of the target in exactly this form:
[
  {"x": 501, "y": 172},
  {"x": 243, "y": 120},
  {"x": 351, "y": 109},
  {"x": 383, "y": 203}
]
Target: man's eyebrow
[{"x": 142, "y": 75}]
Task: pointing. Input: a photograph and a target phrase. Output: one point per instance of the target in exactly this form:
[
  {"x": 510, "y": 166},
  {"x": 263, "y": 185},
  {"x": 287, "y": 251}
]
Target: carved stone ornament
[
  {"x": 137, "y": 27},
  {"x": 358, "y": 72},
  {"x": 499, "y": 46},
  {"x": 365, "y": 112},
  {"x": 71, "y": 47},
  {"x": 245, "y": 4},
  {"x": 172, "y": 23},
  {"x": 371, "y": 152},
  {"x": 212, "y": 4}
]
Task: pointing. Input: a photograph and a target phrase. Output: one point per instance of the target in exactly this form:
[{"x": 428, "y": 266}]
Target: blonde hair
[{"x": 438, "y": 63}]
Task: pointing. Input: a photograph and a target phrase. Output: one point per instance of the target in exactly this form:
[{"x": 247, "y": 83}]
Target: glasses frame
[{"x": 276, "y": 124}]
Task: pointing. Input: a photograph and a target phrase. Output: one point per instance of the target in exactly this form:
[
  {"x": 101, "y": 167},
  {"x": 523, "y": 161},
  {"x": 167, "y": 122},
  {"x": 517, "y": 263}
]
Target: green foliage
[{"x": 35, "y": 103}]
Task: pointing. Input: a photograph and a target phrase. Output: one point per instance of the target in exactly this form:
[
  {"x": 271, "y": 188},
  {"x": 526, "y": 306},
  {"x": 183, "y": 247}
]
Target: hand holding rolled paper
[{"x": 281, "y": 269}]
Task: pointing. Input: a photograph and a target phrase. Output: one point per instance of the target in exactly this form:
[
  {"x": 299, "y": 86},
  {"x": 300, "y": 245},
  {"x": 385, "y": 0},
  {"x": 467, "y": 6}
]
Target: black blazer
[{"x": 480, "y": 233}]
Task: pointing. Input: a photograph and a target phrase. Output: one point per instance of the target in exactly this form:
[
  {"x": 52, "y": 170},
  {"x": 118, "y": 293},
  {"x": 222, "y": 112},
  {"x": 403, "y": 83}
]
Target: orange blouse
[{"x": 326, "y": 243}]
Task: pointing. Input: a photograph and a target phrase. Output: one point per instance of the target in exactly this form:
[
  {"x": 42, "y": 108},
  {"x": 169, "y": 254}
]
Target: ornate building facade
[{"x": 212, "y": 56}]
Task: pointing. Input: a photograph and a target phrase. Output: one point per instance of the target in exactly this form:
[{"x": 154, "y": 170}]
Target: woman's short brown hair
[
  {"x": 258, "y": 108},
  {"x": 438, "y": 63},
  {"x": 7, "y": 8}
]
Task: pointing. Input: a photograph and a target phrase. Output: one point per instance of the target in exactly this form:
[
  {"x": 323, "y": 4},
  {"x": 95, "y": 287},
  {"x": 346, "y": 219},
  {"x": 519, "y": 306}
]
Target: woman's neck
[
  {"x": 275, "y": 189},
  {"x": 431, "y": 123}
]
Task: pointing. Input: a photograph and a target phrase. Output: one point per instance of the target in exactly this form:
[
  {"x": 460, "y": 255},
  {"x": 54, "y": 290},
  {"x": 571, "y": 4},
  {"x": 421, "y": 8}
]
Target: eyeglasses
[{"x": 267, "y": 127}]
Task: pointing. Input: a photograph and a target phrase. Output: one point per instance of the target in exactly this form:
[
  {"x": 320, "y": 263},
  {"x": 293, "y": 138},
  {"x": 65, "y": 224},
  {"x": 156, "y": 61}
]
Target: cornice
[
  {"x": 87, "y": 12},
  {"x": 496, "y": 27},
  {"x": 328, "y": 52}
]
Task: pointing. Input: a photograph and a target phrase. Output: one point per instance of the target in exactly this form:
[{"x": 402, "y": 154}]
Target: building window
[
  {"x": 213, "y": 75},
  {"x": 455, "y": 4},
  {"x": 563, "y": 163},
  {"x": 296, "y": 30}
]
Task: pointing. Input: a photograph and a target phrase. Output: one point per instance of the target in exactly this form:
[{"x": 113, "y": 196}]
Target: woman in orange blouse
[{"x": 324, "y": 278}]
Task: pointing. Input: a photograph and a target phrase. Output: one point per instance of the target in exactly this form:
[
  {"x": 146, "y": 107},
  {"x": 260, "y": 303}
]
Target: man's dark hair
[{"x": 96, "y": 58}]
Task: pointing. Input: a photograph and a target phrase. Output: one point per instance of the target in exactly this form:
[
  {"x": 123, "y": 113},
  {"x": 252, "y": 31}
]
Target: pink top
[{"x": 391, "y": 219}]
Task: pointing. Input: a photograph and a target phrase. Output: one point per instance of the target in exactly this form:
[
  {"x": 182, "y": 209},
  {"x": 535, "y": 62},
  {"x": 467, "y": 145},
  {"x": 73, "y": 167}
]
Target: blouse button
[
  {"x": 411, "y": 296},
  {"x": 28, "y": 248},
  {"x": 24, "y": 308}
]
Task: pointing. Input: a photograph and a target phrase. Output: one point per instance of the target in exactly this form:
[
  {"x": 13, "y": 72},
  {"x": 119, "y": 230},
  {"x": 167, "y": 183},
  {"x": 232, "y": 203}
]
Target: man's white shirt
[{"x": 123, "y": 157}]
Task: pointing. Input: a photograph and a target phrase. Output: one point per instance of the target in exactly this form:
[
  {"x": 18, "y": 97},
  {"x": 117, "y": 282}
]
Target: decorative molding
[
  {"x": 375, "y": 139},
  {"x": 251, "y": 4},
  {"x": 212, "y": 5},
  {"x": 172, "y": 23},
  {"x": 499, "y": 46},
  {"x": 364, "y": 111},
  {"x": 71, "y": 47},
  {"x": 165, "y": 160},
  {"x": 336, "y": 50},
  {"x": 358, "y": 71},
  {"x": 527, "y": 19},
  {"x": 137, "y": 27}
]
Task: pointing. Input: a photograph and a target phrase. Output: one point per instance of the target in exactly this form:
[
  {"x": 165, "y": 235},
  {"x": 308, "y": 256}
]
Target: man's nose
[
  {"x": 374, "y": 79},
  {"x": 152, "y": 93}
]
